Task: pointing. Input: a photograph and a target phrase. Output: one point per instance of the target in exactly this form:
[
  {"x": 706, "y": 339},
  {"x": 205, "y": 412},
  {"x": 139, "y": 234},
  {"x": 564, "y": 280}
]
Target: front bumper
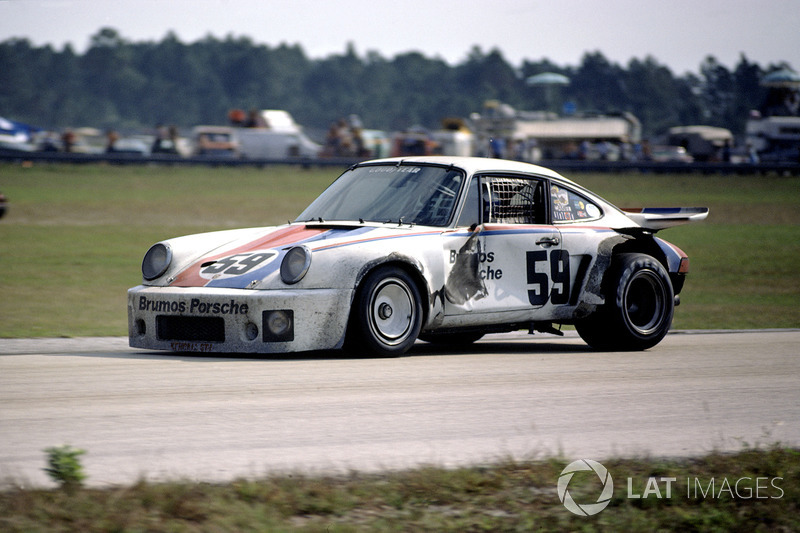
[{"x": 192, "y": 319}]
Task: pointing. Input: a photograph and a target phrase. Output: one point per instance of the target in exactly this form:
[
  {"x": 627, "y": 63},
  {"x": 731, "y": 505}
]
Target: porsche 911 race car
[{"x": 443, "y": 249}]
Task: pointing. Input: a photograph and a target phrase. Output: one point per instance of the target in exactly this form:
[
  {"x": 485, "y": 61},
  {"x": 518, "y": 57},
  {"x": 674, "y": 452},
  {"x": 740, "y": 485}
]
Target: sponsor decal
[
  {"x": 161, "y": 306},
  {"x": 194, "y": 306},
  {"x": 485, "y": 273},
  {"x": 394, "y": 170}
]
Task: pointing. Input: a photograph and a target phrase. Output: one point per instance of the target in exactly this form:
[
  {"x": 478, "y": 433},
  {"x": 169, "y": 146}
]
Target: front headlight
[
  {"x": 156, "y": 261},
  {"x": 295, "y": 264}
]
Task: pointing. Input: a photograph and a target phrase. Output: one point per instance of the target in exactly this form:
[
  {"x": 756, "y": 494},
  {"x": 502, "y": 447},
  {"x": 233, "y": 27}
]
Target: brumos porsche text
[
  {"x": 195, "y": 305},
  {"x": 484, "y": 273}
]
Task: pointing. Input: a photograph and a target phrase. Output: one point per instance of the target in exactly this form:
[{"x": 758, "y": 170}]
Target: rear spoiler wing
[{"x": 658, "y": 218}]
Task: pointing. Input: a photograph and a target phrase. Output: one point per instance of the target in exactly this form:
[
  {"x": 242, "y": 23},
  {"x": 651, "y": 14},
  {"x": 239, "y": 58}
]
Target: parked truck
[{"x": 269, "y": 134}]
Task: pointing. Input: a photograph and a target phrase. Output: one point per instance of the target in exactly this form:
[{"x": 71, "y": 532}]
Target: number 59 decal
[
  {"x": 235, "y": 265},
  {"x": 559, "y": 271}
]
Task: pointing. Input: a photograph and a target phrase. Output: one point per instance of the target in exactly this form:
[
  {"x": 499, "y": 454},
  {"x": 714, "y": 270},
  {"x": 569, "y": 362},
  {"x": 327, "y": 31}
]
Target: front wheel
[
  {"x": 638, "y": 309},
  {"x": 387, "y": 313}
]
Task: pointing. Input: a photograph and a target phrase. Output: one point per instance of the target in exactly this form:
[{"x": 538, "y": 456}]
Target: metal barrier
[{"x": 561, "y": 165}]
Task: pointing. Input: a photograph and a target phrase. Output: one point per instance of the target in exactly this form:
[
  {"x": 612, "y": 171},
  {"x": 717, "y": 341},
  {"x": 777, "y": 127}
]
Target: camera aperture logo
[{"x": 585, "y": 509}]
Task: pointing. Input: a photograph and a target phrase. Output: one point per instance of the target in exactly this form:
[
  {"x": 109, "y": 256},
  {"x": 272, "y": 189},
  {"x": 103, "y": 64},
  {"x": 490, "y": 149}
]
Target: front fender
[{"x": 424, "y": 274}]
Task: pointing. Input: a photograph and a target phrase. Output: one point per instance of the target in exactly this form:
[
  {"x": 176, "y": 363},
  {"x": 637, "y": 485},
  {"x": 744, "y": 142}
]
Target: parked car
[
  {"x": 670, "y": 154},
  {"x": 215, "y": 141},
  {"x": 131, "y": 146},
  {"x": 445, "y": 249}
]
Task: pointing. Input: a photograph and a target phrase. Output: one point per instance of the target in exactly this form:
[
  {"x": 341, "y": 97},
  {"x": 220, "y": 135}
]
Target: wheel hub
[
  {"x": 644, "y": 302},
  {"x": 385, "y": 311},
  {"x": 392, "y": 311}
]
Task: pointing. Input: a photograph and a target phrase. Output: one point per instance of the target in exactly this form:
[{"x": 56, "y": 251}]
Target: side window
[
  {"x": 471, "y": 212},
  {"x": 571, "y": 206},
  {"x": 513, "y": 200}
]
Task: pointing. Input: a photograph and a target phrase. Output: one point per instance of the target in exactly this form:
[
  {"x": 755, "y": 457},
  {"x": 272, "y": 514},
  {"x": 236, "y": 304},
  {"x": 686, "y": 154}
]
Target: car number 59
[
  {"x": 236, "y": 265},
  {"x": 559, "y": 272}
]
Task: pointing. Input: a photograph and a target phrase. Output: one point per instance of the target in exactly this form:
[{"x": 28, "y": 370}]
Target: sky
[{"x": 677, "y": 33}]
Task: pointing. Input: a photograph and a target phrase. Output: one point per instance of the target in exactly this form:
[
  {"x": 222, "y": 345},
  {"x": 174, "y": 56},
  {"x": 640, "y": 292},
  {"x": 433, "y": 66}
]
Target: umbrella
[
  {"x": 549, "y": 81},
  {"x": 547, "y": 78},
  {"x": 783, "y": 78}
]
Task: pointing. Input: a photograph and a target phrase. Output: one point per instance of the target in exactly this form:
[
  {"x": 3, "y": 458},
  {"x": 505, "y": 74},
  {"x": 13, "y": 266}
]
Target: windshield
[{"x": 408, "y": 194}]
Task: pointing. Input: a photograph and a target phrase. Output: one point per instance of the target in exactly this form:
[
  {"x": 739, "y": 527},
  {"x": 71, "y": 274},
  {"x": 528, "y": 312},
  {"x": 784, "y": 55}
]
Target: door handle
[{"x": 548, "y": 241}]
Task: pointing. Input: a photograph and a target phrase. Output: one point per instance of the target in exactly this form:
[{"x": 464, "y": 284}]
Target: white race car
[{"x": 443, "y": 249}]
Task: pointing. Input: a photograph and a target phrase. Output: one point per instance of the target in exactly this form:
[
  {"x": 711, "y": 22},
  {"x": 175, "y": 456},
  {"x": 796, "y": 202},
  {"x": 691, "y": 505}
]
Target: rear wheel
[
  {"x": 387, "y": 313},
  {"x": 638, "y": 309}
]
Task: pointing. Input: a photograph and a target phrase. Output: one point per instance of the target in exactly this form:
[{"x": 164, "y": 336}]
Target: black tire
[
  {"x": 639, "y": 306},
  {"x": 387, "y": 314}
]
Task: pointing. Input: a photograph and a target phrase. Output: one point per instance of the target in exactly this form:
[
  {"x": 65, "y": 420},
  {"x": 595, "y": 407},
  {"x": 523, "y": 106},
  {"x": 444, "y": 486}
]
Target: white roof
[
  {"x": 279, "y": 120},
  {"x": 477, "y": 164},
  {"x": 711, "y": 133}
]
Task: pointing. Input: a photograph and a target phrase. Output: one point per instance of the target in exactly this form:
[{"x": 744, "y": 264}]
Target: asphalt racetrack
[{"x": 212, "y": 418}]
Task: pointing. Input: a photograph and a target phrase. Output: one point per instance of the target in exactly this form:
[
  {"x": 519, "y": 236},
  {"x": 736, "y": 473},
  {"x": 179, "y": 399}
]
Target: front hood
[{"x": 251, "y": 258}]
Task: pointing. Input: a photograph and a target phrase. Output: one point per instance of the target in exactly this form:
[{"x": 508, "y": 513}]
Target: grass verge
[{"x": 753, "y": 490}]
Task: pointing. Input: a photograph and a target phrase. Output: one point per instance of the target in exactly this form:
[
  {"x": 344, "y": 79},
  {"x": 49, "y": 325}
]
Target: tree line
[{"x": 128, "y": 85}]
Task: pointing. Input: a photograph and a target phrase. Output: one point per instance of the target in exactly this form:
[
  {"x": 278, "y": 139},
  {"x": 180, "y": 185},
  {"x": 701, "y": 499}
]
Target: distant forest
[{"x": 129, "y": 85}]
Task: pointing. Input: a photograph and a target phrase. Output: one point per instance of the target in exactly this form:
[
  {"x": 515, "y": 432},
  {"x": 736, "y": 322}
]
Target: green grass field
[{"x": 74, "y": 236}]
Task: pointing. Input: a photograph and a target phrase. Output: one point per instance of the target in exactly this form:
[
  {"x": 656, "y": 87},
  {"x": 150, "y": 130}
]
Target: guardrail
[
  {"x": 780, "y": 168},
  {"x": 122, "y": 158},
  {"x": 565, "y": 165}
]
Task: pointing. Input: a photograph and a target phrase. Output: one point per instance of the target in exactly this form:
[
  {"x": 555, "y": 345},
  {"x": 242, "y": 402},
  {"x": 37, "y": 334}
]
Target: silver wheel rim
[
  {"x": 644, "y": 302},
  {"x": 391, "y": 311}
]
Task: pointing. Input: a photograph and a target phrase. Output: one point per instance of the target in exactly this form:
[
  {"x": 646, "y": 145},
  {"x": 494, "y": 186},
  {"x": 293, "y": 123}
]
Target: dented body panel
[{"x": 492, "y": 244}]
